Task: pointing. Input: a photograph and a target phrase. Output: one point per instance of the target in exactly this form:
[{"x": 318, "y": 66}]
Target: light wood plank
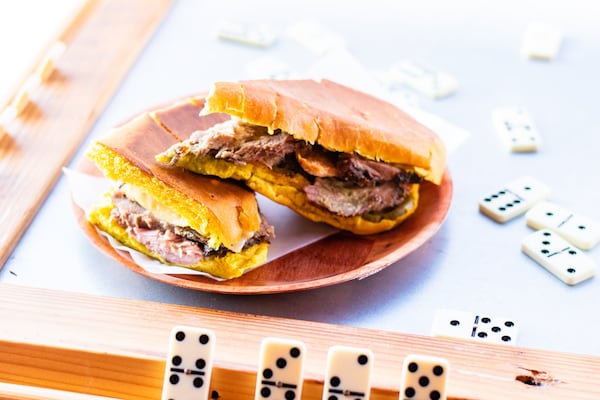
[
  {"x": 115, "y": 348},
  {"x": 20, "y": 392},
  {"x": 102, "y": 42}
]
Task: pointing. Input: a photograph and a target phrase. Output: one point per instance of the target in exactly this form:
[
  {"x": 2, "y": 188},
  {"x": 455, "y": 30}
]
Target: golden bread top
[
  {"x": 182, "y": 118},
  {"x": 222, "y": 211},
  {"x": 336, "y": 117}
]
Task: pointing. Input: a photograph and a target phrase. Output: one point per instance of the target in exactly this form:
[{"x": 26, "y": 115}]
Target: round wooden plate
[{"x": 338, "y": 258}]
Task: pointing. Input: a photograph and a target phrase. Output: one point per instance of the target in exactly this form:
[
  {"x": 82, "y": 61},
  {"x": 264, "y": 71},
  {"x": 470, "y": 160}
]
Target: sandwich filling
[
  {"x": 347, "y": 185},
  {"x": 170, "y": 238}
]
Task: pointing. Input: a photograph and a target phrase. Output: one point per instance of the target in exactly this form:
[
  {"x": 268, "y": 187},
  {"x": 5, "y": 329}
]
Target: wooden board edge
[
  {"x": 79, "y": 342},
  {"x": 26, "y": 136}
]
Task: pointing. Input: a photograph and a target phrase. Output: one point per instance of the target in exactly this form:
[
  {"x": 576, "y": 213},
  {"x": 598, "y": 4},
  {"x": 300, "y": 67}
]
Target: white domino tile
[
  {"x": 577, "y": 229},
  {"x": 250, "y": 34},
  {"x": 559, "y": 257},
  {"x": 280, "y": 371},
  {"x": 348, "y": 373},
  {"x": 424, "y": 378},
  {"x": 315, "y": 37},
  {"x": 513, "y": 199},
  {"x": 423, "y": 78},
  {"x": 474, "y": 326},
  {"x": 541, "y": 41},
  {"x": 516, "y": 128},
  {"x": 189, "y": 364}
]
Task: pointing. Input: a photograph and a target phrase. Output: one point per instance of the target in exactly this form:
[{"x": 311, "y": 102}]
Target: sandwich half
[
  {"x": 172, "y": 215},
  {"x": 329, "y": 152}
]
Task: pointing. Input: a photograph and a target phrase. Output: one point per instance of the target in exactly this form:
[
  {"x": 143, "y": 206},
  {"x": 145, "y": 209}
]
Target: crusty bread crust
[
  {"x": 336, "y": 117},
  {"x": 224, "y": 212},
  {"x": 181, "y": 119}
]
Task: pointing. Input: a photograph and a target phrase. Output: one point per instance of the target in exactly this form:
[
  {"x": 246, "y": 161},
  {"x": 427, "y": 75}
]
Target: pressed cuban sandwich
[
  {"x": 172, "y": 215},
  {"x": 331, "y": 153}
]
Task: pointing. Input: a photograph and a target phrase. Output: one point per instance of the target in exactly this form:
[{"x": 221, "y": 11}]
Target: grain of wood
[
  {"x": 115, "y": 348},
  {"x": 21, "y": 392},
  {"x": 43, "y": 138}
]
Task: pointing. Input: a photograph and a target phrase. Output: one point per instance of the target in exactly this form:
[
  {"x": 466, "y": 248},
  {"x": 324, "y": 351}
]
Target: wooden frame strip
[
  {"x": 102, "y": 42},
  {"x": 115, "y": 348}
]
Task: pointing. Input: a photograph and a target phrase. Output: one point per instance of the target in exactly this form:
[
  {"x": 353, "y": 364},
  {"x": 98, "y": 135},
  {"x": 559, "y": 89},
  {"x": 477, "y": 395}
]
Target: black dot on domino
[
  {"x": 265, "y": 392},
  {"x": 423, "y": 381},
  {"x": 267, "y": 373},
  {"x": 203, "y": 339},
  {"x": 438, "y": 370},
  {"x": 198, "y": 383},
  {"x": 281, "y": 362},
  {"x": 455, "y": 322},
  {"x": 295, "y": 352},
  {"x": 290, "y": 395},
  {"x": 200, "y": 363},
  {"x": 413, "y": 367},
  {"x": 362, "y": 359},
  {"x": 180, "y": 336},
  {"x": 176, "y": 360},
  {"x": 335, "y": 381}
]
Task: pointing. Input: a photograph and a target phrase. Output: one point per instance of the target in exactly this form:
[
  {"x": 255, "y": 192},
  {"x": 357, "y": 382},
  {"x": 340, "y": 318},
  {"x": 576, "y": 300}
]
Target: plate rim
[{"x": 425, "y": 232}]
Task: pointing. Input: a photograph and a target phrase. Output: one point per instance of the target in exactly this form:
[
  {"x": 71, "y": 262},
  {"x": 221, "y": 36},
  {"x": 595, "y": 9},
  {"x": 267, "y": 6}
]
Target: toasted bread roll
[
  {"x": 329, "y": 152},
  {"x": 173, "y": 215}
]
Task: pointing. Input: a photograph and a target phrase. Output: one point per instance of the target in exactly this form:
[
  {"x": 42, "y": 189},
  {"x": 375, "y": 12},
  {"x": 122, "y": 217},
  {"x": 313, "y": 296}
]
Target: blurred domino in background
[
  {"x": 540, "y": 41},
  {"x": 251, "y": 34},
  {"x": 423, "y": 78},
  {"x": 269, "y": 67},
  {"x": 516, "y": 128},
  {"x": 314, "y": 37}
]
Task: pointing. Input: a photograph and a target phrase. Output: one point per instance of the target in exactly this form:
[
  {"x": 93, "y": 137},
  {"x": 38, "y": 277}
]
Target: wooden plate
[{"x": 335, "y": 259}]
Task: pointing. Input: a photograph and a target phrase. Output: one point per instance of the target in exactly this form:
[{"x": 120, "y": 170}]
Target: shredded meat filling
[
  {"x": 345, "y": 184},
  {"x": 176, "y": 244}
]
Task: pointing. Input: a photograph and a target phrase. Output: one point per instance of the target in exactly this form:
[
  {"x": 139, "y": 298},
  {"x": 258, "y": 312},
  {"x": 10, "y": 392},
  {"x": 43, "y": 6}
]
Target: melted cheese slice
[
  {"x": 149, "y": 203},
  {"x": 167, "y": 214}
]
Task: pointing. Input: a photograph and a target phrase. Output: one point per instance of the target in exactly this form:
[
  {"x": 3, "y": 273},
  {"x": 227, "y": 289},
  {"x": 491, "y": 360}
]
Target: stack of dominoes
[
  {"x": 560, "y": 234},
  {"x": 280, "y": 370}
]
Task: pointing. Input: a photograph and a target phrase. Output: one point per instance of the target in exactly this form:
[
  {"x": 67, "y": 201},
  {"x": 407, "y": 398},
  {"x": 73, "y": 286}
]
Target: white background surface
[{"x": 472, "y": 264}]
